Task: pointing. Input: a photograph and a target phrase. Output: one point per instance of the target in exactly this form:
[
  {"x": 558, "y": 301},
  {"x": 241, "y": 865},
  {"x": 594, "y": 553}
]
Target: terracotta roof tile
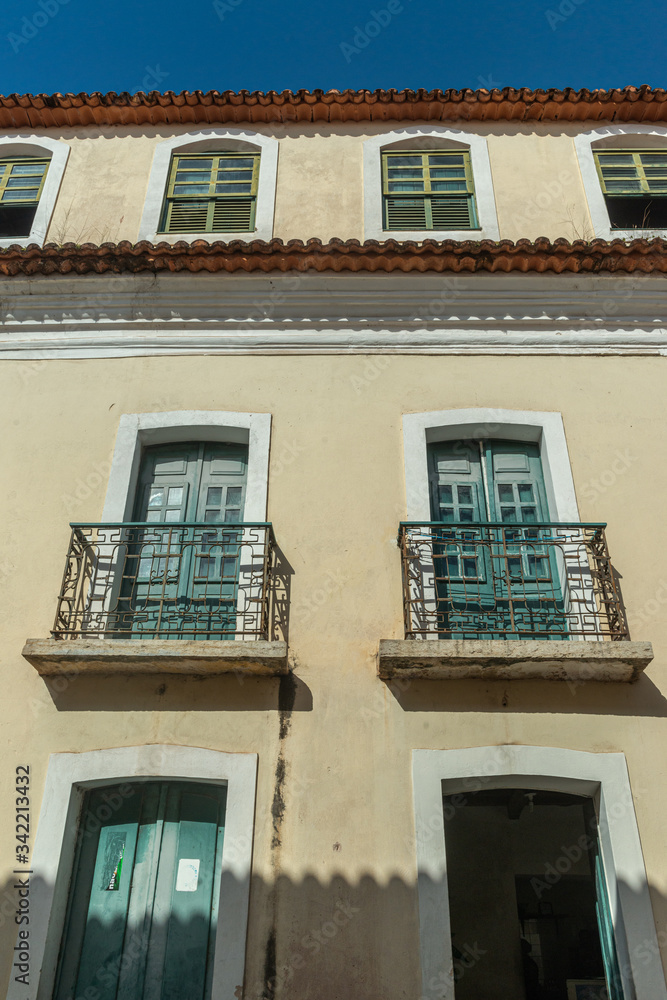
[
  {"x": 596, "y": 257},
  {"x": 628, "y": 104}
]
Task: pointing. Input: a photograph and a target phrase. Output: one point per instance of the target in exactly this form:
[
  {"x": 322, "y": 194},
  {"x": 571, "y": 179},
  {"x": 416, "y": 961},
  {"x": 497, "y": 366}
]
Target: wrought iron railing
[
  {"x": 509, "y": 581},
  {"x": 168, "y": 581}
]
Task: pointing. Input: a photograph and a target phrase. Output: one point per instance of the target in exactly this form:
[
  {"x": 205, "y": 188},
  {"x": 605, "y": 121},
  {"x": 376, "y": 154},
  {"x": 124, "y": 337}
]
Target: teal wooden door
[
  {"x": 494, "y": 581},
  {"x": 181, "y": 580},
  {"x": 461, "y": 559},
  {"x": 143, "y": 905},
  {"x": 603, "y": 910}
]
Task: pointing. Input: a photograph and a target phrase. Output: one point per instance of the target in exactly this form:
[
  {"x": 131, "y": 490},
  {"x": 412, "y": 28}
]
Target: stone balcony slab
[
  {"x": 491, "y": 659},
  {"x": 54, "y": 657}
]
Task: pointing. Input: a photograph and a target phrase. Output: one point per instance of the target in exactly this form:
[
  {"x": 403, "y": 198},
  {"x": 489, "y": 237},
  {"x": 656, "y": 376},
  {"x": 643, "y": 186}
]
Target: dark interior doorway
[{"x": 525, "y": 892}]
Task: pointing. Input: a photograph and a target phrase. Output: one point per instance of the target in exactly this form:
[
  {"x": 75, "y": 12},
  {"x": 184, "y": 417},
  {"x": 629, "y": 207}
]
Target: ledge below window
[
  {"x": 488, "y": 659},
  {"x": 258, "y": 657}
]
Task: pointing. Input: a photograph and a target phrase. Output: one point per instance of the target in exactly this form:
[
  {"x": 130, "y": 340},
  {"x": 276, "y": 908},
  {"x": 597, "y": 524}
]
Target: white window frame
[
  {"x": 202, "y": 142},
  {"x": 597, "y": 206},
  {"x": 481, "y": 423},
  {"x": 481, "y": 172},
  {"x": 57, "y": 153},
  {"x": 603, "y": 776},
  {"x": 137, "y": 431},
  {"x": 69, "y": 777}
]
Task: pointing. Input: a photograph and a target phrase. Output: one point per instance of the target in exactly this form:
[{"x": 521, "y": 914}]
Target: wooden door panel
[{"x": 142, "y": 914}]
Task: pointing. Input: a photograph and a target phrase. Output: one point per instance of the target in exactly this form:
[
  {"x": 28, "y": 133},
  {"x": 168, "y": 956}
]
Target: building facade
[{"x": 334, "y": 632}]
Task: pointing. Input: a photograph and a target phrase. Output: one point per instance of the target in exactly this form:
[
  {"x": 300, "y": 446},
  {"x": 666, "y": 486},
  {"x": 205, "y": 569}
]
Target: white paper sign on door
[{"x": 187, "y": 875}]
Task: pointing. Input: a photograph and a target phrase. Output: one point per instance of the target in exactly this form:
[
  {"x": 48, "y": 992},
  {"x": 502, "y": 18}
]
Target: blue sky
[{"x": 85, "y": 45}]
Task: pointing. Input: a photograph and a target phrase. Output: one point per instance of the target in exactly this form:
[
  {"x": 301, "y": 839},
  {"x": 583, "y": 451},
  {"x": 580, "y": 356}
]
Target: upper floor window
[
  {"x": 31, "y": 171},
  {"x": 21, "y": 183},
  {"x": 493, "y": 547},
  {"x": 624, "y": 172},
  {"x": 634, "y": 184},
  {"x": 218, "y": 184},
  {"x": 428, "y": 182},
  {"x": 211, "y": 193},
  {"x": 428, "y": 189}
]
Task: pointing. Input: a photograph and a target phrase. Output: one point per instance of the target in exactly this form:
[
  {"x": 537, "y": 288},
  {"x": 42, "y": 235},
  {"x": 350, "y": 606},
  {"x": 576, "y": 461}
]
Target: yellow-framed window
[
  {"x": 21, "y": 181},
  {"x": 632, "y": 172},
  {"x": 211, "y": 193},
  {"x": 428, "y": 189}
]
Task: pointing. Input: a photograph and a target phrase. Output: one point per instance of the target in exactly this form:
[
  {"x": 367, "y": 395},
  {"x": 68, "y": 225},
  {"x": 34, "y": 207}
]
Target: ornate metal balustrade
[
  {"x": 169, "y": 581},
  {"x": 509, "y": 581}
]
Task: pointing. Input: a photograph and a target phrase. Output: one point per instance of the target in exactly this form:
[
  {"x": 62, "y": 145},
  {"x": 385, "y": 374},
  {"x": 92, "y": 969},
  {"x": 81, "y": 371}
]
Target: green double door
[
  {"x": 499, "y": 579},
  {"x": 181, "y": 580},
  {"x": 144, "y": 896}
]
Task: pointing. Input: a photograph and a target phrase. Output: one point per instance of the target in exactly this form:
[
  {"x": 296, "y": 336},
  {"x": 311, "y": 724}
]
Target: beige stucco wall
[
  {"x": 336, "y": 496},
  {"x": 319, "y": 190}
]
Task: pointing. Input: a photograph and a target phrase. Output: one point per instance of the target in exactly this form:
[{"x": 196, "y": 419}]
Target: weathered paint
[
  {"x": 319, "y": 193},
  {"x": 338, "y": 783}
]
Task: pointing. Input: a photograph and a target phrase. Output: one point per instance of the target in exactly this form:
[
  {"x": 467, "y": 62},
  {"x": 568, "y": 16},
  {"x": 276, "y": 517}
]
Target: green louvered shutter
[
  {"x": 630, "y": 172},
  {"x": 634, "y": 185},
  {"x": 428, "y": 190},
  {"x": 212, "y": 193}
]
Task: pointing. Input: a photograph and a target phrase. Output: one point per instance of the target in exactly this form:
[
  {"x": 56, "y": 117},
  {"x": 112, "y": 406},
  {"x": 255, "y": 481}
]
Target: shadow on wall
[
  {"x": 314, "y": 940},
  {"x": 574, "y": 697}
]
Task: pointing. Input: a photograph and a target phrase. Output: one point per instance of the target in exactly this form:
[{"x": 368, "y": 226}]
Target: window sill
[
  {"x": 419, "y": 235},
  {"x": 21, "y": 241},
  {"x": 637, "y": 234},
  {"x": 173, "y": 238},
  {"x": 257, "y": 657},
  {"x": 489, "y": 659}
]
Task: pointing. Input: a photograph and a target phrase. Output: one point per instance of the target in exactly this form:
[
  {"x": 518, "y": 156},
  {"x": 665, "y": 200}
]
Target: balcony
[
  {"x": 146, "y": 597},
  {"x": 551, "y": 588}
]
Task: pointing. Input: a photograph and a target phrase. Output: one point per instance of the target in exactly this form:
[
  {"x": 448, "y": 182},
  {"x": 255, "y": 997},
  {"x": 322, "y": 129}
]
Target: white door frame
[{"x": 603, "y": 776}]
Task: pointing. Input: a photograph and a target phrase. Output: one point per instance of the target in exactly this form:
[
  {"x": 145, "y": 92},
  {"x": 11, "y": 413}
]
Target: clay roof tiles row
[
  {"x": 628, "y": 104},
  {"x": 597, "y": 257}
]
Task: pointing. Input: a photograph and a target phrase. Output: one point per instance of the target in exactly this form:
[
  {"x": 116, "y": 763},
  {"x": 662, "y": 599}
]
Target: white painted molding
[
  {"x": 607, "y": 136},
  {"x": 68, "y": 777},
  {"x": 138, "y": 430},
  {"x": 58, "y": 152},
  {"x": 545, "y": 428},
  {"x": 438, "y": 772},
  {"x": 199, "y": 142},
  {"x": 481, "y": 171},
  {"x": 144, "y": 315}
]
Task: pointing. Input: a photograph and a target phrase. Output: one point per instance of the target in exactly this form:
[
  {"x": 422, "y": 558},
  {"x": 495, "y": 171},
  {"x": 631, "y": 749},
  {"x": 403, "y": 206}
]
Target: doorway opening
[{"x": 529, "y": 910}]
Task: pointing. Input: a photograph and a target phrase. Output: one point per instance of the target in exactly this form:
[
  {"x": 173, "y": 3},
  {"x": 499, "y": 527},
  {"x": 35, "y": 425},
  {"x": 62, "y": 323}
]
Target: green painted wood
[
  {"x": 144, "y": 878},
  {"x": 21, "y": 180},
  {"x": 602, "y": 908},
  {"x": 501, "y": 481},
  {"x": 211, "y": 193},
  {"x": 190, "y": 924},
  {"x": 632, "y": 172},
  {"x": 203, "y": 482},
  {"x": 146, "y": 932},
  {"x": 94, "y": 938},
  {"x": 430, "y": 189},
  {"x": 462, "y": 567}
]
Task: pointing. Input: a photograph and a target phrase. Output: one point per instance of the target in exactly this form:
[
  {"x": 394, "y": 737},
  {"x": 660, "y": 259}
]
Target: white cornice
[{"x": 116, "y": 316}]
